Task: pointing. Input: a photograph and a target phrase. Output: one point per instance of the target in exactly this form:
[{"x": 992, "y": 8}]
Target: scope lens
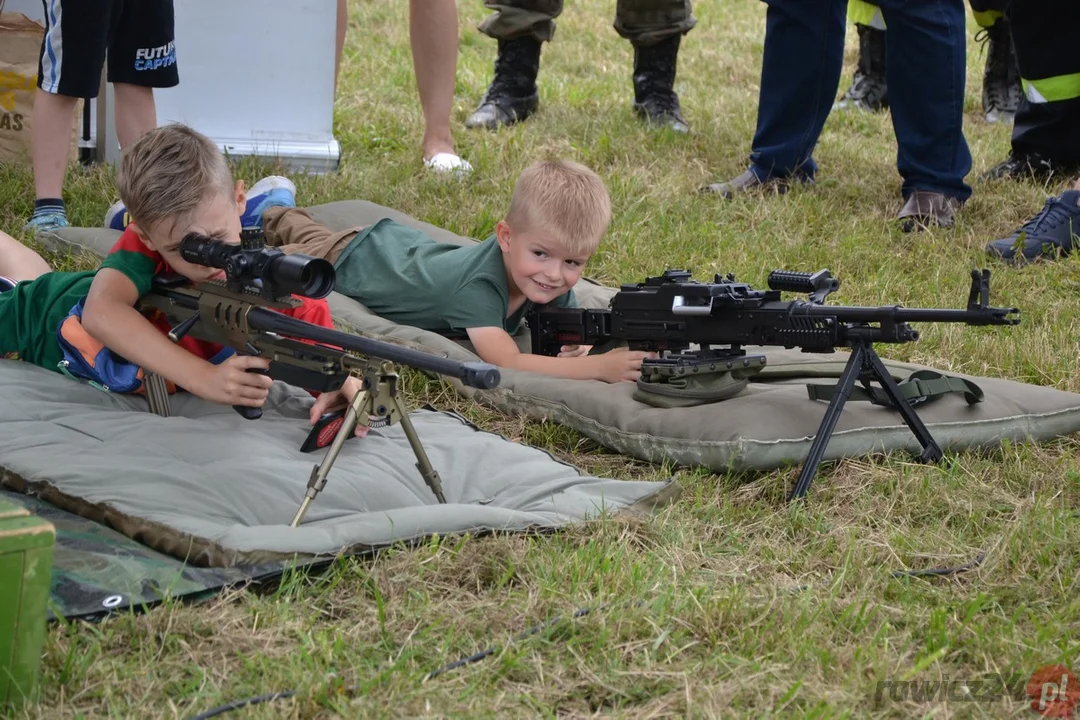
[{"x": 301, "y": 275}]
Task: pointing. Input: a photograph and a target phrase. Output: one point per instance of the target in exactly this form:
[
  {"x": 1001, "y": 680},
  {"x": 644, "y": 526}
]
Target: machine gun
[
  {"x": 239, "y": 312},
  {"x": 669, "y": 313}
]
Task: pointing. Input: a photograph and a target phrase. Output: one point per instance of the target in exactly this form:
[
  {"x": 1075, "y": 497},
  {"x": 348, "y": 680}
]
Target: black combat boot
[
  {"x": 868, "y": 89},
  {"x": 1001, "y": 76},
  {"x": 512, "y": 95},
  {"x": 654, "y": 84}
]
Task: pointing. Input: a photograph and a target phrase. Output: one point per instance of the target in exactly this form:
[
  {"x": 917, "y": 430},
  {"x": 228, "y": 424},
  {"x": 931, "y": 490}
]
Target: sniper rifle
[
  {"x": 240, "y": 312},
  {"x": 669, "y": 313}
]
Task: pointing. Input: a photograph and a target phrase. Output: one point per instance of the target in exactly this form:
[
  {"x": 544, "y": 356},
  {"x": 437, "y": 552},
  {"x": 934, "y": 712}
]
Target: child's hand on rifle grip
[{"x": 233, "y": 382}]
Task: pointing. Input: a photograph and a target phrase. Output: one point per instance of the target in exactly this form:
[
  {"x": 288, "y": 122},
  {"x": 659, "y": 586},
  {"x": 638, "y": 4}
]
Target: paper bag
[{"x": 20, "y": 43}]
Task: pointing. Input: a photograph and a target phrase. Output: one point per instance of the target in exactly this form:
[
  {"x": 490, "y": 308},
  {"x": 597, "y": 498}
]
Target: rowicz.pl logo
[{"x": 1051, "y": 691}]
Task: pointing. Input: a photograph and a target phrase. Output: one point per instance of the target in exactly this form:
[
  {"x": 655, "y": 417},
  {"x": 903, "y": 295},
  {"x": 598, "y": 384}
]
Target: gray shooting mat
[
  {"x": 215, "y": 490},
  {"x": 769, "y": 424}
]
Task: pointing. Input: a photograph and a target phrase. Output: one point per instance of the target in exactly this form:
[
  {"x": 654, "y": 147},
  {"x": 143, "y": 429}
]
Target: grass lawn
[{"x": 728, "y": 602}]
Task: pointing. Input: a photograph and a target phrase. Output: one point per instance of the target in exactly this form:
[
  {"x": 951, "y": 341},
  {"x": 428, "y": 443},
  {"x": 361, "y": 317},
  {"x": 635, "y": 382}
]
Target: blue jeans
[{"x": 925, "y": 66}]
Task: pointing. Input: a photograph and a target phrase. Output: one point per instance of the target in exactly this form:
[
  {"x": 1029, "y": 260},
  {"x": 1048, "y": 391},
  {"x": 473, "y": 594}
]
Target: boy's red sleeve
[{"x": 316, "y": 312}]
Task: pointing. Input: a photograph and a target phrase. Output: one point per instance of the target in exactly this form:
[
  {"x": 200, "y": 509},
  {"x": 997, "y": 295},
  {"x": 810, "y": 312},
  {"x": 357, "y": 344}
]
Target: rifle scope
[{"x": 251, "y": 263}]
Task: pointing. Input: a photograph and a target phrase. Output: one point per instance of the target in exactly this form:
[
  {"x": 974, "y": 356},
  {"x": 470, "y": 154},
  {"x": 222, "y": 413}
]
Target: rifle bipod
[
  {"x": 864, "y": 365},
  {"x": 379, "y": 406}
]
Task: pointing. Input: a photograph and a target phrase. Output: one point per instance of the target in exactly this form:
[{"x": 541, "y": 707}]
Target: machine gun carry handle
[{"x": 817, "y": 285}]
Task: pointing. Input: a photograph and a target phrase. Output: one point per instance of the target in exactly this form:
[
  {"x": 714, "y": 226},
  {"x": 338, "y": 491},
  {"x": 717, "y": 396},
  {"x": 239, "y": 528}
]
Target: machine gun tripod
[
  {"x": 864, "y": 365},
  {"x": 376, "y": 405}
]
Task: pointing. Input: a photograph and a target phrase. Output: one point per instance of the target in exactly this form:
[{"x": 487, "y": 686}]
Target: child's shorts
[{"x": 138, "y": 35}]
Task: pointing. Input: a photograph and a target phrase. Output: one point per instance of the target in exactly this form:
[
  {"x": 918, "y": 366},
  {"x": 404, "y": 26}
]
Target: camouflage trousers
[{"x": 642, "y": 22}]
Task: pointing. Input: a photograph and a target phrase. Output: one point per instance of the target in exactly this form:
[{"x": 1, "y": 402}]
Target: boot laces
[
  {"x": 509, "y": 80},
  {"x": 1000, "y": 84}
]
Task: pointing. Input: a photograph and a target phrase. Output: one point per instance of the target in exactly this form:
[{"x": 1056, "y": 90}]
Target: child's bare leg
[
  {"x": 136, "y": 112},
  {"x": 18, "y": 262},
  {"x": 1077, "y": 185}
]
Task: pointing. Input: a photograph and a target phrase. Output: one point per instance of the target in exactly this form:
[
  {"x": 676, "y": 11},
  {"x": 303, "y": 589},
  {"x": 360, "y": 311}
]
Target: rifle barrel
[{"x": 474, "y": 374}]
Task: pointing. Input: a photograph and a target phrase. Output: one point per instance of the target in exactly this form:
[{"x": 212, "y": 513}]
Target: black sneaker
[
  {"x": 1051, "y": 233},
  {"x": 1016, "y": 167}
]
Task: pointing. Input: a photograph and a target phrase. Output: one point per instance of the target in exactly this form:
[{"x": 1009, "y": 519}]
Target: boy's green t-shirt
[
  {"x": 31, "y": 313},
  {"x": 405, "y": 276}
]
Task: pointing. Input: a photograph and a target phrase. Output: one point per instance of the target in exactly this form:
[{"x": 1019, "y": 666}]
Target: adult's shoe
[
  {"x": 750, "y": 180},
  {"x": 512, "y": 95},
  {"x": 1002, "y": 89},
  {"x": 1032, "y": 166},
  {"x": 655, "y": 98},
  {"x": 868, "y": 90},
  {"x": 1049, "y": 234},
  {"x": 925, "y": 209}
]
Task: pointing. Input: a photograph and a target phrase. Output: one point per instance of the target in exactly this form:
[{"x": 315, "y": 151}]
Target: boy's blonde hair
[
  {"x": 564, "y": 199},
  {"x": 169, "y": 172}
]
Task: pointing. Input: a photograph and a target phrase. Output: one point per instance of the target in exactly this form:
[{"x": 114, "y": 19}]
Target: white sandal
[{"x": 445, "y": 162}]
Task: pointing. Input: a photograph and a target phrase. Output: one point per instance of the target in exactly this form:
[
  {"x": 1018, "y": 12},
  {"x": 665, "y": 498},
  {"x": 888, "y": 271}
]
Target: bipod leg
[
  {"x": 851, "y": 373},
  {"x": 431, "y": 477},
  {"x": 317, "y": 481},
  {"x": 931, "y": 450}
]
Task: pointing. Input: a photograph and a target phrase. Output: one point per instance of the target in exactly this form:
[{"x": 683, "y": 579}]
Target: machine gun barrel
[{"x": 896, "y": 313}]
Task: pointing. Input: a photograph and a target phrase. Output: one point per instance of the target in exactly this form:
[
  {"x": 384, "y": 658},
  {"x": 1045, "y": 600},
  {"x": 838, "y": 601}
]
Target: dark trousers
[
  {"x": 925, "y": 65},
  {"x": 1044, "y": 35}
]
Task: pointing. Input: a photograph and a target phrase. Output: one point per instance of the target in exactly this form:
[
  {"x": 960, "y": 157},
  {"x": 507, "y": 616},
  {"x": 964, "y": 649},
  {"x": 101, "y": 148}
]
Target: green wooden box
[{"x": 26, "y": 554}]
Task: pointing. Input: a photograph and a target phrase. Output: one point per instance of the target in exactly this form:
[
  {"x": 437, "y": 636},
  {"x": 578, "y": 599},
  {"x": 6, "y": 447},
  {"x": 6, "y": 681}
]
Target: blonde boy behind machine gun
[{"x": 558, "y": 215}]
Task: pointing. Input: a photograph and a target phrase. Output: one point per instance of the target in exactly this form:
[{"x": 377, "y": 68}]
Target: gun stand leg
[
  {"x": 431, "y": 477},
  {"x": 317, "y": 481},
  {"x": 378, "y": 399},
  {"x": 864, "y": 364}
]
